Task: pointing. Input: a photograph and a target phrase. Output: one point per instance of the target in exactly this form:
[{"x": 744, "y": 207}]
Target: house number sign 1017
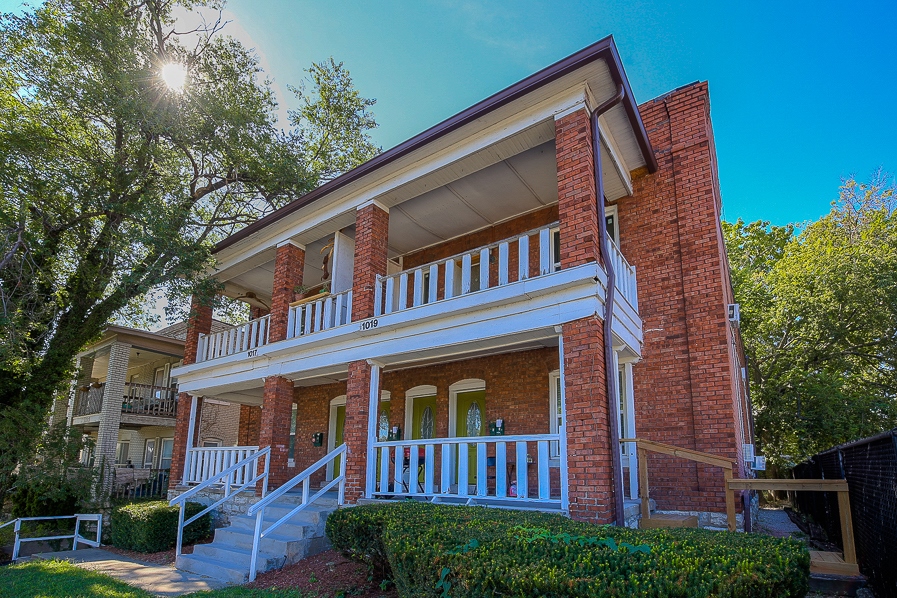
[{"x": 368, "y": 324}]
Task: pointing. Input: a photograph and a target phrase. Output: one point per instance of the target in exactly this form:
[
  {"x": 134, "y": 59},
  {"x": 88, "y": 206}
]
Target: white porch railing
[
  {"x": 482, "y": 268},
  {"x": 206, "y": 463},
  {"x": 319, "y": 313},
  {"x": 258, "y": 509},
  {"x": 250, "y": 463},
  {"x": 236, "y": 339},
  {"x": 625, "y": 275},
  {"x": 76, "y": 537},
  {"x": 500, "y": 468}
]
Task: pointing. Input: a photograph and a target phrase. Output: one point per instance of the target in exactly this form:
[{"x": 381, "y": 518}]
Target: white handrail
[
  {"x": 625, "y": 275},
  {"x": 203, "y": 462},
  {"x": 76, "y": 537},
  {"x": 258, "y": 509},
  {"x": 221, "y": 478}
]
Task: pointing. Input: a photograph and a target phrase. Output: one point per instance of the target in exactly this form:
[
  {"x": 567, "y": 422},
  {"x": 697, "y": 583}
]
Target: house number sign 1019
[{"x": 368, "y": 324}]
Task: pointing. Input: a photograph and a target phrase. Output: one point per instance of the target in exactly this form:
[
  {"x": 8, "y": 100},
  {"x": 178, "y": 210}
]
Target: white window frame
[
  {"x": 162, "y": 443},
  {"x": 146, "y": 448},
  {"x": 612, "y": 212},
  {"x": 119, "y": 459}
]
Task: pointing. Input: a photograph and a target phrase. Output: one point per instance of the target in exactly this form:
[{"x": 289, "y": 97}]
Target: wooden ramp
[
  {"x": 658, "y": 520},
  {"x": 831, "y": 563}
]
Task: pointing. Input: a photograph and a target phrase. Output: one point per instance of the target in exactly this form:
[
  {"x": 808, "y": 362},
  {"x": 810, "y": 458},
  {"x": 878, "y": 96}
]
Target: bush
[
  {"x": 441, "y": 550},
  {"x": 153, "y": 526}
]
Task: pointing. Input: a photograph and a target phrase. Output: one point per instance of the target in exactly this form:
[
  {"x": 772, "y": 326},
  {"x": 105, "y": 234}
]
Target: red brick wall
[
  {"x": 274, "y": 430},
  {"x": 588, "y": 425},
  {"x": 289, "y": 263},
  {"x": 371, "y": 234},
  {"x": 577, "y": 207},
  {"x": 199, "y": 322},
  {"x": 250, "y": 423},
  {"x": 670, "y": 231},
  {"x": 313, "y": 416}
]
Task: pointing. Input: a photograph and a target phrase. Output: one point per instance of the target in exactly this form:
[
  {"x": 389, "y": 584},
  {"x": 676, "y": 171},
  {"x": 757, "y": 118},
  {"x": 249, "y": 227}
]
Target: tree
[
  {"x": 127, "y": 148},
  {"x": 819, "y": 322}
]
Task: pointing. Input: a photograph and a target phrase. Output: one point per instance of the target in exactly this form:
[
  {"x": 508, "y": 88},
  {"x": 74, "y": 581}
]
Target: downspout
[{"x": 610, "y": 370}]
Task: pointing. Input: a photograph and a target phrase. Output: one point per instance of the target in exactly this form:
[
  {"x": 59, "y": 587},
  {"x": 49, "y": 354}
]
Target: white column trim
[
  {"x": 371, "y": 202},
  {"x": 630, "y": 429},
  {"x": 373, "y": 413},
  {"x": 562, "y": 430},
  {"x": 191, "y": 429},
  {"x": 291, "y": 242}
]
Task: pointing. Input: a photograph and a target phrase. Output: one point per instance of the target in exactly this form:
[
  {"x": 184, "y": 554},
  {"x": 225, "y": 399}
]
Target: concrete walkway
[
  {"x": 775, "y": 522},
  {"x": 160, "y": 580}
]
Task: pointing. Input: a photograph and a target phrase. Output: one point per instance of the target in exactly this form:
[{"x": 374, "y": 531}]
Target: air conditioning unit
[
  {"x": 759, "y": 463},
  {"x": 734, "y": 312},
  {"x": 748, "y": 452}
]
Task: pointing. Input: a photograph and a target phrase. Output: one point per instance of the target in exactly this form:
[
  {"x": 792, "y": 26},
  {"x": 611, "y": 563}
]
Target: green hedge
[
  {"x": 441, "y": 551},
  {"x": 153, "y": 526}
]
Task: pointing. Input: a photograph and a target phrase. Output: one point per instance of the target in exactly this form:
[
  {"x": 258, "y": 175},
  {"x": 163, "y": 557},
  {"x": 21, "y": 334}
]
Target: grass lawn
[{"x": 59, "y": 579}]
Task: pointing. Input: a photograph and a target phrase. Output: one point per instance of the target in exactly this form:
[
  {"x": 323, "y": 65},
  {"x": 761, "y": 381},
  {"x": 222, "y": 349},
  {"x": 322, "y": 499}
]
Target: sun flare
[{"x": 174, "y": 75}]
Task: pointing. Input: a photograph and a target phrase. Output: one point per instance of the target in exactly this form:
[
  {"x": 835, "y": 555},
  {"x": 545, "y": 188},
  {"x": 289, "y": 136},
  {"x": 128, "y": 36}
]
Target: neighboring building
[
  {"x": 125, "y": 400},
  {"x": 469, "y": 289}
]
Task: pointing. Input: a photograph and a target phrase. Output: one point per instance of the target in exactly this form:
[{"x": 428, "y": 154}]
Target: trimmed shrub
[
  {"x": 153, "y": 526},
  {"x": 441, "y": 550}
]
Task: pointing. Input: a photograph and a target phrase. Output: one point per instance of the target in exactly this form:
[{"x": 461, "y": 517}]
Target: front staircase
[{"x": 228, "y": 556}]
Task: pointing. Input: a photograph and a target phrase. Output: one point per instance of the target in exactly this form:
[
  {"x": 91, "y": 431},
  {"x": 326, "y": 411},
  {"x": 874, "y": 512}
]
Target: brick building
[
  {"x": 125, "y": 400},
  {"x": 481, "y": 313}
]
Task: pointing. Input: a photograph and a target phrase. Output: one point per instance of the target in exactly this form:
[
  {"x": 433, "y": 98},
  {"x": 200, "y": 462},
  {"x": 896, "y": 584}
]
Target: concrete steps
[{"x": 228, "y": 556}]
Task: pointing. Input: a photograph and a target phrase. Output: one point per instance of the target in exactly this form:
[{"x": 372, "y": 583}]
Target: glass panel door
[{"x": 470, "y": 420}]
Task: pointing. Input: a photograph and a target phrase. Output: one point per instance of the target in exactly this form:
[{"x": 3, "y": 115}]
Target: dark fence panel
[{"x": 870, "y": 468}]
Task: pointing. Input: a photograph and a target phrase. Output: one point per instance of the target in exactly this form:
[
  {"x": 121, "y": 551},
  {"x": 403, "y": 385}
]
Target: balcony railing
[
  {"x": 625, "y": 274},
  {"x": 235, "y": 339},
  {"x": 318, "y": 313},
  {"x": 89, "y": 400},
  {"x": 137, "y": 399},
  {"x": 146, "y": 399},
  {"x": 518, "y": 258}
]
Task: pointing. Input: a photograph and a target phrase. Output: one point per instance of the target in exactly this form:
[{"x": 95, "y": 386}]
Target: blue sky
[{"x": 802, "y": 93}]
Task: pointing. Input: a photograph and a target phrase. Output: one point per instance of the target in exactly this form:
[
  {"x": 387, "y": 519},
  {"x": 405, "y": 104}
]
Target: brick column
[
  {"x": 355, "y": 432},
  {"x": 371, "y": 233},
  {"x": 289, "y": 263},
  {"x": 274, "y": 429},
  {"x": 110, "y": 415},
  {"x": 589, "y": 465},
  {"x": 199, "y": 322},
  {"x": 250, "y": 421},
  {"x": 577, "y": 208}
]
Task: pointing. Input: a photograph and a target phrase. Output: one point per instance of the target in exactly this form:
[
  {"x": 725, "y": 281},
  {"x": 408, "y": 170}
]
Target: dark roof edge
[{"x": 605, "y": 48}]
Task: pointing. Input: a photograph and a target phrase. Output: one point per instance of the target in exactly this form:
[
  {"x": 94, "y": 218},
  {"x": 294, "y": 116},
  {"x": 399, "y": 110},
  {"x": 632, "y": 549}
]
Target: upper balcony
[{"x": 137, "y": 400}]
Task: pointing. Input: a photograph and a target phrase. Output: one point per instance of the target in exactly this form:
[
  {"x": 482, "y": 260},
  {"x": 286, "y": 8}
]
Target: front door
[
  {"x": 470, "y": 420},
  {"x": 423, "y": 418},
  {"x": 337, "y": 424}
]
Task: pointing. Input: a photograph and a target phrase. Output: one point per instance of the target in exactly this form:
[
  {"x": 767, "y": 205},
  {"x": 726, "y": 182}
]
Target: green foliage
[
  {"x": 53, "y": 482},
  {"x": 113, "y": 185},
  {"x": 440, "y": 550},
  {"x": 153, "y": 526},
  {"x": 819, "y": 322}
]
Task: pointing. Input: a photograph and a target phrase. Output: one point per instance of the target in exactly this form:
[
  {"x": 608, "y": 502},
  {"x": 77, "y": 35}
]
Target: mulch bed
[{"x": 329, "y": 574}]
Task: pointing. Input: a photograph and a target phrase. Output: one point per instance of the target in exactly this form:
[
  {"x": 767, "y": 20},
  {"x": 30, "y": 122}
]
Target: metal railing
[
  {"x": 147, "y": 399},
  {"x": 320, "y": 312},
  {"x": 75, "y": 538},
  {"x": 258, "y": 509},
  {"x": 223, "y": 478},
  {"x": 133, "y": 483},
  {"x": 236, "y": 339}
]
